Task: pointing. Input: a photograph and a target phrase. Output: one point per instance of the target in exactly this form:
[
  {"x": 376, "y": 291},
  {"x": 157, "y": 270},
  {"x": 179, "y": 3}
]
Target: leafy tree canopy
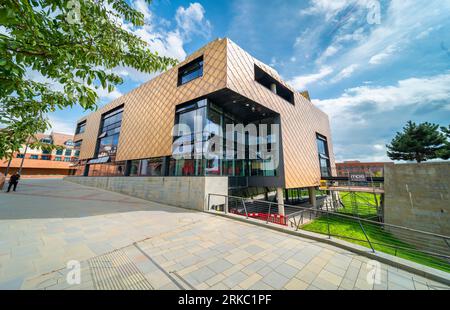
[
  {"x": 418, "y": 142},
  {"x": 74, "y": 43}
]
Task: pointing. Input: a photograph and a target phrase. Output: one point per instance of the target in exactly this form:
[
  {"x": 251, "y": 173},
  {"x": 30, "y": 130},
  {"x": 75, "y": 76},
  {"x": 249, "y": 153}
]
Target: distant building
[
  {"x": 40, "y": 162},
  {"x": 375, "y": 169}
]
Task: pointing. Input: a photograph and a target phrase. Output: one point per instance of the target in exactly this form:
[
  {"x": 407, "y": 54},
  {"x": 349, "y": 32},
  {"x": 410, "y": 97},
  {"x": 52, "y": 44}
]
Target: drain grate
[{"x": 115, "y": 271}]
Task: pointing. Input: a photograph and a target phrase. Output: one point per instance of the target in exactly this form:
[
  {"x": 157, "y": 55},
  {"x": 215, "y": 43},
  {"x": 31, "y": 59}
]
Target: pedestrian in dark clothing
[{"x": 13, "y": 181}]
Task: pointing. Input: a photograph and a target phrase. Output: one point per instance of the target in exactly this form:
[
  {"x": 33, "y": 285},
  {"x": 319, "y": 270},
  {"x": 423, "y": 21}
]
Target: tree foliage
[
  {"x": 444, "y": 153},
  {"x": 74, "y": 43},
  {"x": 419, "y": 142}
]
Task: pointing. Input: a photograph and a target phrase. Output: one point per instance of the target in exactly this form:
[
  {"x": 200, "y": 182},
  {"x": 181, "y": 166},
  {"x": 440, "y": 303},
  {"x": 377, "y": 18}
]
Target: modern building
[
  {"x": 374, "y": 169},
  {"x": 38, "y": 162},
  {"x": 220, "y": 84}
]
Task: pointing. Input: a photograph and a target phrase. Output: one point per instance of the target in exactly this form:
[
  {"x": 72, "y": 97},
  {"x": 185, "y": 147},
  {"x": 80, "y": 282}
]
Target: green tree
[
  {"x": 417, "y": 142},
  {"x": 74, "y": 43},
  {"x": 444, "y": 153}
]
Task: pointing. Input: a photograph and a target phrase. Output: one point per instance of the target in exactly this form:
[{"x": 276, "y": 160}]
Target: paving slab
[{"x": 123, "y": 242}]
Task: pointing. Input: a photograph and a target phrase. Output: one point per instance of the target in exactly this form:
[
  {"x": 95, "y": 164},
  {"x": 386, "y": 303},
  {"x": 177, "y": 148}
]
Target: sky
[{"x": 370, "y": 65}]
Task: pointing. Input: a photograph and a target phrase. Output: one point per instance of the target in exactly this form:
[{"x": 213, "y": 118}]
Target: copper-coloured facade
[{"x": 149, "y": 112}]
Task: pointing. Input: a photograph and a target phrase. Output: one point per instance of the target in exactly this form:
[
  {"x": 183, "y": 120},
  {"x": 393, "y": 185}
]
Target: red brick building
[
  {"x": 375, "y": 169},
  {"x": 37, "y": 162}
]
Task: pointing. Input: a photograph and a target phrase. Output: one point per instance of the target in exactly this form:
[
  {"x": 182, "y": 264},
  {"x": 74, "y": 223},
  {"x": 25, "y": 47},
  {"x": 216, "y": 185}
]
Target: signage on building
[{"x": 358, "y": 177}]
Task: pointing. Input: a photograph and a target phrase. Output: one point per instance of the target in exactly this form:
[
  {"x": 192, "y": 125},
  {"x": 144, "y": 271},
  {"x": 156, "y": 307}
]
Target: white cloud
[
  {"x": 61, "y": 125},
  {"x": 426, "y": 32},
  {"x": 345, "y": 73},
  {"x": 327, "y": 8},
  {"x": 300, "y": 82},
  {"x": 329, "y": 52},
  {"x": 356, "y": 43},
  {"x": 142, "y": 6},
  {"x": 400, "y": 24},
  {"x": 408, "y": 92},
  {"x": 191, "y": 20},
  {"x": 108, "y": 96},
  {"x": 379, "y": 147},
  {"x": 365, "y": 118},
  {"x": 380, "y": 57}
]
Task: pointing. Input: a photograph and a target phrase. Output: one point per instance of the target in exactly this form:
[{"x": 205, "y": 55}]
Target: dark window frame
[
  {"x": 110, "y": 130},
  {"x": 265, "y": 79},
  {"x": 194, "y": 69},
  {"x": 81, "y": 128},
  {"x": 323, "y": 156}
]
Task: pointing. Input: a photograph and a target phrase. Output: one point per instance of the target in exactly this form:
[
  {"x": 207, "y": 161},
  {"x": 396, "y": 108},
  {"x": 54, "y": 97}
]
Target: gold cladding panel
[
  {"x": 299, "y": 122},
  {"x": 149, "y": 112}
]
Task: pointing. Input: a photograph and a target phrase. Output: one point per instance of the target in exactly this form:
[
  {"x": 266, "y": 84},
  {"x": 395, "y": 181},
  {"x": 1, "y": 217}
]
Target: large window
[
  {"x": 324, "y": 159},
  {"x": 108, "y": 139},
  {"x": 190, "y": 71},
  {"x": 109, "y": 169},
  {"x": 211, "y": 123},
  {"x": 81, "y": 127}
]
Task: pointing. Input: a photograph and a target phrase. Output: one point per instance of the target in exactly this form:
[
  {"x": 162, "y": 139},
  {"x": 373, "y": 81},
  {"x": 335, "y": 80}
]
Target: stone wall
[
  {"x": 418, "y": 196},
  {"x": 185, "y": 192}
]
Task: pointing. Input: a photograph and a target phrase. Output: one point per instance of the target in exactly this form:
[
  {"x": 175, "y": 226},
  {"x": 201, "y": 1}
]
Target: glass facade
[
  {"x": 206, "y": 121},
  {"x": 108, "y": 138},
  {"x": 200, "y": 146},
  {"x": 109, "y": 169},
  {"x": 324, "y": 159}
]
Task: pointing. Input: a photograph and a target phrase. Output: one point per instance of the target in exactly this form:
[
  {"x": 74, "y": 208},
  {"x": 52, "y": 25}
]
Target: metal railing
[{"x": 419, "y": 246}]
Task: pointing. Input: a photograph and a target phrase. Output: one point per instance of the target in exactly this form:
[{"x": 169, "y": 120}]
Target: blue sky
[{"x": 371, "y": 70}]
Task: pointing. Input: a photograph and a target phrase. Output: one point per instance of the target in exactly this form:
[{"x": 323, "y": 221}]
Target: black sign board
[{"x": 360, "y": 177}]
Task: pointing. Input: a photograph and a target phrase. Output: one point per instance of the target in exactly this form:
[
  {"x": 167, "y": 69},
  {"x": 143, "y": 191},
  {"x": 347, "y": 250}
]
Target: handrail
[
  {"x": 343, "y": 215},
  {"x": 401, "y": 240}
]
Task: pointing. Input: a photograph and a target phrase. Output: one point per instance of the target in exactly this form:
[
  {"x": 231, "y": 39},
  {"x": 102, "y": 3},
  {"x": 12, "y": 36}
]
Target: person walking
[{"x": 13, "y": 181}]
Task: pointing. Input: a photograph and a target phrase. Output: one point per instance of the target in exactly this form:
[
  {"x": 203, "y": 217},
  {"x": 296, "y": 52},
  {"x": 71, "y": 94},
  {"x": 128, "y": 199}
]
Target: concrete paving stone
[
  {"x": 220, "y": 265},
  {"x": 363, "y": 284},
  {"x": 233, "y": 269},
  {"x": 215, "y": 279},
  {"x": 234, "y": 279},
  {"x": 219, "y": 287},
  {"x": 296, "y": 284},
  {"x": 314, "y": 288},
  {"x": 275, "y": 263},
  {"x": 261, "y": 286},
  {"x": 400, "y": 280},
  {"x": 12, "y": 284},
  {"x": 275, "y": 280},
  {"x": 336, "y": 270},
  {"x": 179, "y": 240},
  {"x": 330, "y": 277},
  {"x": 250, "y": 281},
  {"x": 287, "y": 270},
  {"x": 254, "y": 267},
  {"x": 347, "y": 284},
  {"x": 265, "y": 271},
  {"x": 253, "y": 249},
  {"x": 306, "y": 276},
  {"x": 324, "y": 284},
  {"x": 202, "y": 274}
]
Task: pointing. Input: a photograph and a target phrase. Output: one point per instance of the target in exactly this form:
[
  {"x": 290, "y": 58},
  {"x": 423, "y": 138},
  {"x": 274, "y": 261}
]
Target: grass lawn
[
  {"x": 365, "y": 202},
  {"x": 350, "y": 230}
]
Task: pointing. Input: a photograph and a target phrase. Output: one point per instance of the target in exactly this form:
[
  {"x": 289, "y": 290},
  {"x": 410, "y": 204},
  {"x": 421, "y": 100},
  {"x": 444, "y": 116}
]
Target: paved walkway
[{"x": 127, "y": 243}]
